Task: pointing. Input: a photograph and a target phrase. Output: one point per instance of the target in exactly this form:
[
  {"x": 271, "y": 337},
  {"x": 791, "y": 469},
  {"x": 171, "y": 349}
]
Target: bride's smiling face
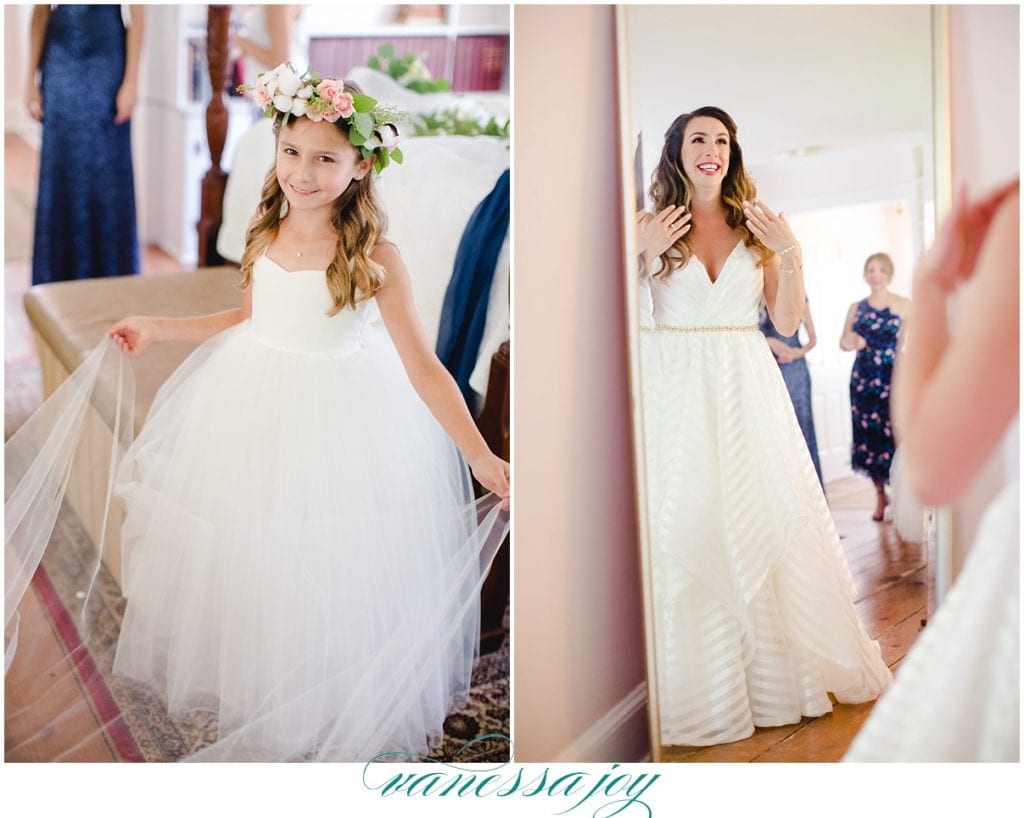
[
  {"x": 705, "y": 151},
  {"x": 316, "y": 163}
]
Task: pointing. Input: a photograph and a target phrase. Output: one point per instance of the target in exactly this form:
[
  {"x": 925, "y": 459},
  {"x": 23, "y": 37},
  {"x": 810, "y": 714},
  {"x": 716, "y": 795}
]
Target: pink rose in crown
[
  {"x": 334, "y": 90},
  {"x": 260, "y": 94},
  {"x": 345, "y": 105}
]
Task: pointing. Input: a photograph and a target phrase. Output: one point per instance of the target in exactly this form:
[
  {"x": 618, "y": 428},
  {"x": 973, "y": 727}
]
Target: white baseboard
[{"x": 619, "y": 735}]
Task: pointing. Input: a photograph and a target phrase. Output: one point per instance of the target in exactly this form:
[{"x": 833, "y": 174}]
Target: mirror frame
[
  {"x": 628, "y": 189},
  {"x": 939, "y": 535}
]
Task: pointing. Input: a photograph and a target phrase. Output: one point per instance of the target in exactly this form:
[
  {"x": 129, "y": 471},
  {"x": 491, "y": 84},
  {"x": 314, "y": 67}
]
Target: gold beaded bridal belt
[{"x": 716, "y": 328}]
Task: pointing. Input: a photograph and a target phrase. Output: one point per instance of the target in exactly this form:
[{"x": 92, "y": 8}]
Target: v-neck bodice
[{"x": 690, "y": 298}]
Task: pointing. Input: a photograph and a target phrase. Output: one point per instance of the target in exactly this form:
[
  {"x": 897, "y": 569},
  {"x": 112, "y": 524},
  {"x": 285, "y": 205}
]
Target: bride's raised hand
[
  {"x": 655, "y": 234},
  {"x": 134, "y": 335},
  {"x": 770, "y": 228},
  {"x": 492, "y": 473}
]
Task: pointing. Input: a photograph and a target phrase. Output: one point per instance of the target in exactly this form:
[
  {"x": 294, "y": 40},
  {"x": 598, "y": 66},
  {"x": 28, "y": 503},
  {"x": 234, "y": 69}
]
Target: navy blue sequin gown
[
  {"x": 798, "y": 383},
  {"x": 85, "y": 213},
  {"x": 870, "y": 383}
]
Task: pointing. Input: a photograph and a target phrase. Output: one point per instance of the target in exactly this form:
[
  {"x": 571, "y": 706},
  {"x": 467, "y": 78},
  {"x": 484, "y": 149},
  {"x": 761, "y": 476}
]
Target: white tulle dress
[
  {"x": 302, "y": 553},
  {"x": 753, "y": 597}
]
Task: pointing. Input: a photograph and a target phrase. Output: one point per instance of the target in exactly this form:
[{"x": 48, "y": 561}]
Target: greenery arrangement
[
  {"x": 457, "y": 122},
  {"x": 409, "y": 71}
]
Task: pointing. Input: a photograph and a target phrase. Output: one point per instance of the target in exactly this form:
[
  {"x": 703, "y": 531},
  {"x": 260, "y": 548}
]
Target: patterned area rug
[{"x": 134, "y": 718}]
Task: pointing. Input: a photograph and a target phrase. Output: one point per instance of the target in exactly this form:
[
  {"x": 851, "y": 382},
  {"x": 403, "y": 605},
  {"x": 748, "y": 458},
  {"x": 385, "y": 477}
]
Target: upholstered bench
[{"x": 70, "y": 318}]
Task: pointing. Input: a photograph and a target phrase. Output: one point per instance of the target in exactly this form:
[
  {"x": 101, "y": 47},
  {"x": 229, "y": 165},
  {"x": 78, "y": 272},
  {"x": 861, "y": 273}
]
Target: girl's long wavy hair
[
  {"x": 357, "y": 216},
  {"x": 671, "y": 186}
]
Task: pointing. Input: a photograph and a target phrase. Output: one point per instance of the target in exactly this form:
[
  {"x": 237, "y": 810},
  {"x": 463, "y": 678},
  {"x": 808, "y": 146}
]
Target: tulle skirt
[
  {"x": 301, "y": 554},
  {"x": 754, "y": 615}
]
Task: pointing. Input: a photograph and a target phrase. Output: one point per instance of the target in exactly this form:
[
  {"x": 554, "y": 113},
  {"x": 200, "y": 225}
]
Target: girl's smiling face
[{"x": 316, "y": 163}]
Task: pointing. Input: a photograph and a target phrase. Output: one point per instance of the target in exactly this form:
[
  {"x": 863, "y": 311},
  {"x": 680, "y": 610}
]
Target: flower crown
[{"x": 373, "y": 128}]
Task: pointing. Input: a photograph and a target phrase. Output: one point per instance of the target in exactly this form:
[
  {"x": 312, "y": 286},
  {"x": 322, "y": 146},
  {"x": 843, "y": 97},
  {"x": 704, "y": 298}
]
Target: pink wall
[
  {"x": 577, "y": 614},
  {"x": 984, "y": 55},
  {"x": 984, "y": 94}
]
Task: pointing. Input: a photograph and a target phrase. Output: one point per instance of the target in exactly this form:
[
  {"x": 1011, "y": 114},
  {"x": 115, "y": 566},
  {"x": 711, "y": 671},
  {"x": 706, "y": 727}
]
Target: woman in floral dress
[{"x": 873, "y": 328}]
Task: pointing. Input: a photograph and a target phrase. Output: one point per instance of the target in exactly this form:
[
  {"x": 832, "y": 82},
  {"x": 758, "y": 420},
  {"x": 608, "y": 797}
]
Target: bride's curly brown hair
[
  {"x": 358, "y": 217},
  {"x": 671, "y": 186}
]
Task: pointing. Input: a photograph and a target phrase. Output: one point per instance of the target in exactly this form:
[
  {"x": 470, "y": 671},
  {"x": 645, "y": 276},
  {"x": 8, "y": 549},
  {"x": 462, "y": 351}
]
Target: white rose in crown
[
  {"x": 384, "y": 136},
  {"x": 283, "y": 103},
  {"x": 288, "y": 82}
]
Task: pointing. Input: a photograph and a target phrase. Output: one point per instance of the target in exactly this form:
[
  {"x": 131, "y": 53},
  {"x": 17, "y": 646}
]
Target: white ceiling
[{"x": 795, "y": 78}]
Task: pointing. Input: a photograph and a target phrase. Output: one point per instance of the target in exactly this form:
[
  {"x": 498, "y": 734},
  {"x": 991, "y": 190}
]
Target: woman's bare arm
[
  {"x": 953, "y": 398},
  {"x": 850, "y": 340},
  {"x": 432, "y": 382}
]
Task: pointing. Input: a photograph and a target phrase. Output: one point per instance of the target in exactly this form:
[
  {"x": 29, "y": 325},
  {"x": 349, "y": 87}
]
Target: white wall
[
  {"x": 985, "y": 116},
  {"x": 793, "y": 77},
  {"x": 578, "y": 637}
]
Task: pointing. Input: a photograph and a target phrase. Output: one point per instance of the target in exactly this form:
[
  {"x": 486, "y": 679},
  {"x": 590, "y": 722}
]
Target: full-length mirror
[{"x": 785, "y": 563}]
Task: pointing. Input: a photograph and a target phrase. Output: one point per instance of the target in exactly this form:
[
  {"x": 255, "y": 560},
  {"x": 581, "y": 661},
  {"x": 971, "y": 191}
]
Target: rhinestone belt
[{"x": 717, "y": 328}]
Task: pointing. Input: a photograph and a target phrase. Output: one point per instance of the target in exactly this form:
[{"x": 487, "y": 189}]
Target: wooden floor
[{"x": 891, "y": 578}]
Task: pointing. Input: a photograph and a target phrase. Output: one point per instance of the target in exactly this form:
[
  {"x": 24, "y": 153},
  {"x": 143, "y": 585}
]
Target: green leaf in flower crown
[
  {"x": 397, "y": 156},
  {"x": 365, "y": 152},
  {"x": 362, "y": 123},
  {"x": 384, "y": 159},
  {"x": 362, "y": 103},
  {"x": 356, "y": 138}
]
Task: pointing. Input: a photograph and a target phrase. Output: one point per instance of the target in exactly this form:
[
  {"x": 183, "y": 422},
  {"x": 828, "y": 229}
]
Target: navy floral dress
[{"x": 870, "y": 386}]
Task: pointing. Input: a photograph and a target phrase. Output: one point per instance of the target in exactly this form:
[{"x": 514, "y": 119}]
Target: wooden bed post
[{"x": 218, "y": 20}]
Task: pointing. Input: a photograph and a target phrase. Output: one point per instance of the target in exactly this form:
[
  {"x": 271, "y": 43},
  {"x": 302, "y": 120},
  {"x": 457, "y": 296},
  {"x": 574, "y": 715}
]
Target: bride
[{"x": 753, "y": 598}]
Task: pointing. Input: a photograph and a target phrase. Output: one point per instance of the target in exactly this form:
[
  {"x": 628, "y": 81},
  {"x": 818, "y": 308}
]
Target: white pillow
[{"x": 429, "y": 199}]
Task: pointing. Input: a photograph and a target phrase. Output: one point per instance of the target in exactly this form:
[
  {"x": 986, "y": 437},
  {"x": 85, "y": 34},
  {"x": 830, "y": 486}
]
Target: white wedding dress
[
  {"x": 753, "y": 597},
  {"x": 302, "y": 553}
]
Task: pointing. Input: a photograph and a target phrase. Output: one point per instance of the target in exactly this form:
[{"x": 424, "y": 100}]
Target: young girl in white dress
[
  {"x": 754, "y": 617},
  {"x": 302, "y": 551}
]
